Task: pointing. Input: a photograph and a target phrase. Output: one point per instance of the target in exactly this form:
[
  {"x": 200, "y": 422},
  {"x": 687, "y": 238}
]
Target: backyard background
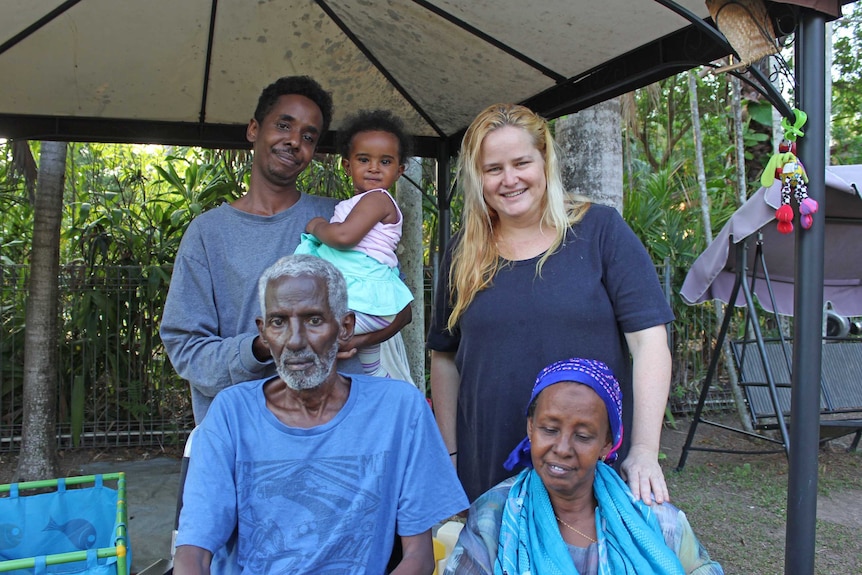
[
  {"x": 125, "y": 209},
  {"x": 693, "y": 148}
]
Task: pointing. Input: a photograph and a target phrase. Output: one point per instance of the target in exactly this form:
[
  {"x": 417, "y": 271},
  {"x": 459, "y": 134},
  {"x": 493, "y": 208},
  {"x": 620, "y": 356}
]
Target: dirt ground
[
  {"x": 72, "y": 460},
  {"x": 842, "y": 506},
  {"x": 737, "y": 503}
]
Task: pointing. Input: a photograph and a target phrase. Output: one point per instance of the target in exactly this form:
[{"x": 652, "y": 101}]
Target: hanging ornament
[{"x": 786, "y": 167}]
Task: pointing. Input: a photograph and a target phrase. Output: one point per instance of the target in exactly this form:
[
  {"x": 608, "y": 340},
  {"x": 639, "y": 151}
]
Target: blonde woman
[{"x": 537, "y": 275}]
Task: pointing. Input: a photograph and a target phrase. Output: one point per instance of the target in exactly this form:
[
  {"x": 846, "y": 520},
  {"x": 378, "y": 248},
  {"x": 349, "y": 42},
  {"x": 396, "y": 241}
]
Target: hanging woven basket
[{"x": 746, "y": 25}]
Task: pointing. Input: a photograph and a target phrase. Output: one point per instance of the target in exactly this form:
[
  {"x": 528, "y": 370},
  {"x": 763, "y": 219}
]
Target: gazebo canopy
[{"x": 189, "y": 72}]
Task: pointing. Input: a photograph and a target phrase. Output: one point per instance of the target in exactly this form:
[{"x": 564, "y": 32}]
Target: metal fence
[{"x": 116, "y": 386}]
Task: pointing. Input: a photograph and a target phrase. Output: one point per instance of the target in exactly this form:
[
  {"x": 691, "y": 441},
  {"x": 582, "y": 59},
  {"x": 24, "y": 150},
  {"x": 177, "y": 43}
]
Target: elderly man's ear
[
  {"x": 345, "y": 331},
  {"x": 259, "y": 346},
  {"x": 346, "y": 349}
]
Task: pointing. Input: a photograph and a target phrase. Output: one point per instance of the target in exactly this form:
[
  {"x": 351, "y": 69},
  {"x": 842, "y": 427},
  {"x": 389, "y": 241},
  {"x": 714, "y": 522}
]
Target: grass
[{"x": 737, "y": 505}]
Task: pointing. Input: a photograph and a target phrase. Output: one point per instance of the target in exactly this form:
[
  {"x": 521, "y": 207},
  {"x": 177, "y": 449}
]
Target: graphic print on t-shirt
[{"x": 319, "y": 512}]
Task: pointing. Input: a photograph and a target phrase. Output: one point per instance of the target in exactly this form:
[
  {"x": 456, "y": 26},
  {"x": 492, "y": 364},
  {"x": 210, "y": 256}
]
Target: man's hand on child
[{"x": 345, "y": 353}]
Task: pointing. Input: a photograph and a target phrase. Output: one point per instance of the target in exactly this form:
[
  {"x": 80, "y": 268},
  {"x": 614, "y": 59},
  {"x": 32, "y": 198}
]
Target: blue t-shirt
[{"x": 326, "y": 499}]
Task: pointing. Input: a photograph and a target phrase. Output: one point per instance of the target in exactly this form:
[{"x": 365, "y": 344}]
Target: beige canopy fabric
[
  {"x": 713, "y": 274},
  {"x": 190, "y": 71}
]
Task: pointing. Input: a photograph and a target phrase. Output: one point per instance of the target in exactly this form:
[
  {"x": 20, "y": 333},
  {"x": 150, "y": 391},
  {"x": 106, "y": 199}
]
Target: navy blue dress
[{"x": 599, "y": 285}]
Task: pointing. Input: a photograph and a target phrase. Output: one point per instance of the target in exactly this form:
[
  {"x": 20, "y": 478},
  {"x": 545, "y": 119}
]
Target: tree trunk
[
  {"x": 739, "y": 133},
  {"x": 698, "y": 155},
  {"x": 738, "y": 399},
  {"x": 412, "y": 266},
  {"x": 38, "y": 459},
  {"x": 592, "y": 153}
]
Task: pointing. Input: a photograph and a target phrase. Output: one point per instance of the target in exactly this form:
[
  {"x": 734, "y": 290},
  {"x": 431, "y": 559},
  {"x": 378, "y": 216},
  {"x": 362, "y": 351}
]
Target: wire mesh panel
[
  {"x": 752, "y": 377},
  {"x": 842, "y": 374},
  {"x": 115, "y": 385},
  {"x": 13, "y": 290}
]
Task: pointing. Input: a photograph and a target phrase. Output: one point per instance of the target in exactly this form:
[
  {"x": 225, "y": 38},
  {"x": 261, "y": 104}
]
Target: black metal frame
[
  {"x": 750, "y": 322},
  {"x": 753, "y": 335}
]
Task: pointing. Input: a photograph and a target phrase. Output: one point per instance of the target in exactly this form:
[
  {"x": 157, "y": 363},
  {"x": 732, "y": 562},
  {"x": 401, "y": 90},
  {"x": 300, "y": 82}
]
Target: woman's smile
[
  {"x": 557, "y": 469},
  {"x": 514, "y": 194}
]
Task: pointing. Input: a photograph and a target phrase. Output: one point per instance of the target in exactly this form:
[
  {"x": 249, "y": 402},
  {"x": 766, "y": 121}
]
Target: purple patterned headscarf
[{"x": 590, "y": 372}]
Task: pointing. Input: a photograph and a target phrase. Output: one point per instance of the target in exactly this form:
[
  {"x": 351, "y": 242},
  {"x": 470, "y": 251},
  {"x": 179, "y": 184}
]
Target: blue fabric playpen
[{"x": 70, "y": 525}]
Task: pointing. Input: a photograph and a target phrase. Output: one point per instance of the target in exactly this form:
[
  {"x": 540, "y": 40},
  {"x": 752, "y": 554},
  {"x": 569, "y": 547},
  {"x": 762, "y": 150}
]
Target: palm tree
[
  {"x": 38, "y": 459},
  {"x": 592, "y": 153}
]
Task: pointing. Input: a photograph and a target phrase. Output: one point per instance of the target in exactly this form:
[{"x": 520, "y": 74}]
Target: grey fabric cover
[{"x": 712, "y": 274}]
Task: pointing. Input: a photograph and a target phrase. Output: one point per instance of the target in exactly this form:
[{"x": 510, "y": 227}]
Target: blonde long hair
[{"x": 476, "y": 259}]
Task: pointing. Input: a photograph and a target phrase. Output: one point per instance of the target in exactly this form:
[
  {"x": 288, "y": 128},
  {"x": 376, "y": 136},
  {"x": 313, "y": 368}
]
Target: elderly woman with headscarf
[{"x": 568, "y": 511}]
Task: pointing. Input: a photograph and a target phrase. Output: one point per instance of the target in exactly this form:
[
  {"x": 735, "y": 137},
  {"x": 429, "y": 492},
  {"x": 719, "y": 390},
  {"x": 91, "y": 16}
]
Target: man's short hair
[
  {"x": 300, "y": 85},
  {"x": 305, "y": 265}
]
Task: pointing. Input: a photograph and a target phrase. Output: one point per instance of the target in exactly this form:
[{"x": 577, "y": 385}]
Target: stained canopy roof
[{"x": 189, "y": 72}]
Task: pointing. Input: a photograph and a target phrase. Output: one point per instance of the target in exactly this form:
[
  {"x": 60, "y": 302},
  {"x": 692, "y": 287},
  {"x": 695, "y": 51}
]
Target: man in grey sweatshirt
[{"x": 208, "y": 325}]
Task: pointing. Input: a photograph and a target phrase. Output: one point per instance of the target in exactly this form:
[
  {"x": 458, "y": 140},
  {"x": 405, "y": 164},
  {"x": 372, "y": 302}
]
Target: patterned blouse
[{"x": 476, "y": 550}]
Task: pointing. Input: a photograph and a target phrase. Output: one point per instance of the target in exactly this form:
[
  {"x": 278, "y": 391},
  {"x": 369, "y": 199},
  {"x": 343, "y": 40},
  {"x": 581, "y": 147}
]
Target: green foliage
[
  {"x": 16, "y": 212},
  {"x": 659, "y": 120},
  {"x": 662, "y": 216},
  {"x": 659, "y": 211},
  {"x": 205, "y": 183},
  {"x": 662, "y": 203},
  {"x": 761, "y": 112},
  {"x": 325, "y": 176},
  {"x": 126, "y": 214},
  {"x": 125, "y": 211},
  {"x": 13, "y": 289},
  {"x": 847, "y": 88},
  {"x": 133, "y": 208},
  {"x": 430, "y": 211}
]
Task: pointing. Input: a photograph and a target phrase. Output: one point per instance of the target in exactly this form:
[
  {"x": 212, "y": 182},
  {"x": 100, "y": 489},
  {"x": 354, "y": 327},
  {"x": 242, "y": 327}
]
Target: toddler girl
[{"x": 362, "y": 235}]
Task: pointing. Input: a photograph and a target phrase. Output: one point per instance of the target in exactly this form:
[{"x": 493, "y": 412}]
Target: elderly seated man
[{"x": 314, "y": 471}]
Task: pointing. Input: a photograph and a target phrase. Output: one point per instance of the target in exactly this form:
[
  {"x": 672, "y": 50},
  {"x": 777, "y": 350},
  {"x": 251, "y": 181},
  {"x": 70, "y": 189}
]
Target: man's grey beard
[{"x": 313, "y": 376}]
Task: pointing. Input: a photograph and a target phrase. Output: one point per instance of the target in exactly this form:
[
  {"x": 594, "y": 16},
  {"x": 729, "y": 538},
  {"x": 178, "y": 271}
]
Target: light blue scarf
[
  {"x": 530, "y": 541},
  {"x": 629, "y": 536}
]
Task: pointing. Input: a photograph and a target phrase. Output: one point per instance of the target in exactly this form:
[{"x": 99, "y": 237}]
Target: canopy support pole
[
  {"x": 808, "y": 304},
  {"x": 444, "y": 202}
]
